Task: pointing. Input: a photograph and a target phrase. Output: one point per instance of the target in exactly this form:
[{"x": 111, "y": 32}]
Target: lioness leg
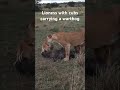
[
  {"x": 67, "y": 52},
  {"x": 79, "y": 49}
]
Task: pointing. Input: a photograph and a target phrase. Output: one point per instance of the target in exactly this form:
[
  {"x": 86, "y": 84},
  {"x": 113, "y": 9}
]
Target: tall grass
[{"x": 107, "y": 78}]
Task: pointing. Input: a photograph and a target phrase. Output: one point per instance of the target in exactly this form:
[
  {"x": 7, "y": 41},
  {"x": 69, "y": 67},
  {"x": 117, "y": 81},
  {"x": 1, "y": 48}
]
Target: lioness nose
[{"x": 42, "y": 54}]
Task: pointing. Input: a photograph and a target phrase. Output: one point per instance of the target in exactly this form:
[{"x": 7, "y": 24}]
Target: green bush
[{"x": 71, "y": 4}]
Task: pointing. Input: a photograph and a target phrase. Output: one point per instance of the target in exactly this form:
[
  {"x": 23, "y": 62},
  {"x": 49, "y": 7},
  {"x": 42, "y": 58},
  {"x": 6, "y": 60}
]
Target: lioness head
[{"x": 47, "y": 46}]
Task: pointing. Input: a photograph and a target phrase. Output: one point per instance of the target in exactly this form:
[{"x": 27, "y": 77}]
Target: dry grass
[
  {"x": 107, "y": 79},
  {"x": 57, "y": 75}
]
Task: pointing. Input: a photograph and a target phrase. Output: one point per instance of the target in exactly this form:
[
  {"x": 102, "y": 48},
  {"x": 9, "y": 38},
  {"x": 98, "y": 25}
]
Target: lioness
[
  {"x": 25, "y": 53},
  {"x": 66, "y": 40},
  {"x": 25, "y": 49}
]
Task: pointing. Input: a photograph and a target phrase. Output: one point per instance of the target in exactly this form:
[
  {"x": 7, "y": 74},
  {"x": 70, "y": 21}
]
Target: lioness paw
[{"x": 66, "y": 59}]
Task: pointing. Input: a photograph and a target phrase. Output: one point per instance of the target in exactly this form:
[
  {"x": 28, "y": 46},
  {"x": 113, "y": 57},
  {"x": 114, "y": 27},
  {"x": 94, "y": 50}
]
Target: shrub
[
  {"x": 71, "y": 4},
  {"x": 38, "y": 8}
]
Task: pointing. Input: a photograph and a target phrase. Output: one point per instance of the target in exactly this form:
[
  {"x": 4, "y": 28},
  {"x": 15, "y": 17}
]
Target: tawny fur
[{"x": 66, "y": 40}]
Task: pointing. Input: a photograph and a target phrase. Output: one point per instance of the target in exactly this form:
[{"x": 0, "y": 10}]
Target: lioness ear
[{"x": 49, "y": 36}]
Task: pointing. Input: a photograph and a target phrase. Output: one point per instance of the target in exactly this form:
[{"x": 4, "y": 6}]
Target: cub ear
[{"x": 49, "y": 36}]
